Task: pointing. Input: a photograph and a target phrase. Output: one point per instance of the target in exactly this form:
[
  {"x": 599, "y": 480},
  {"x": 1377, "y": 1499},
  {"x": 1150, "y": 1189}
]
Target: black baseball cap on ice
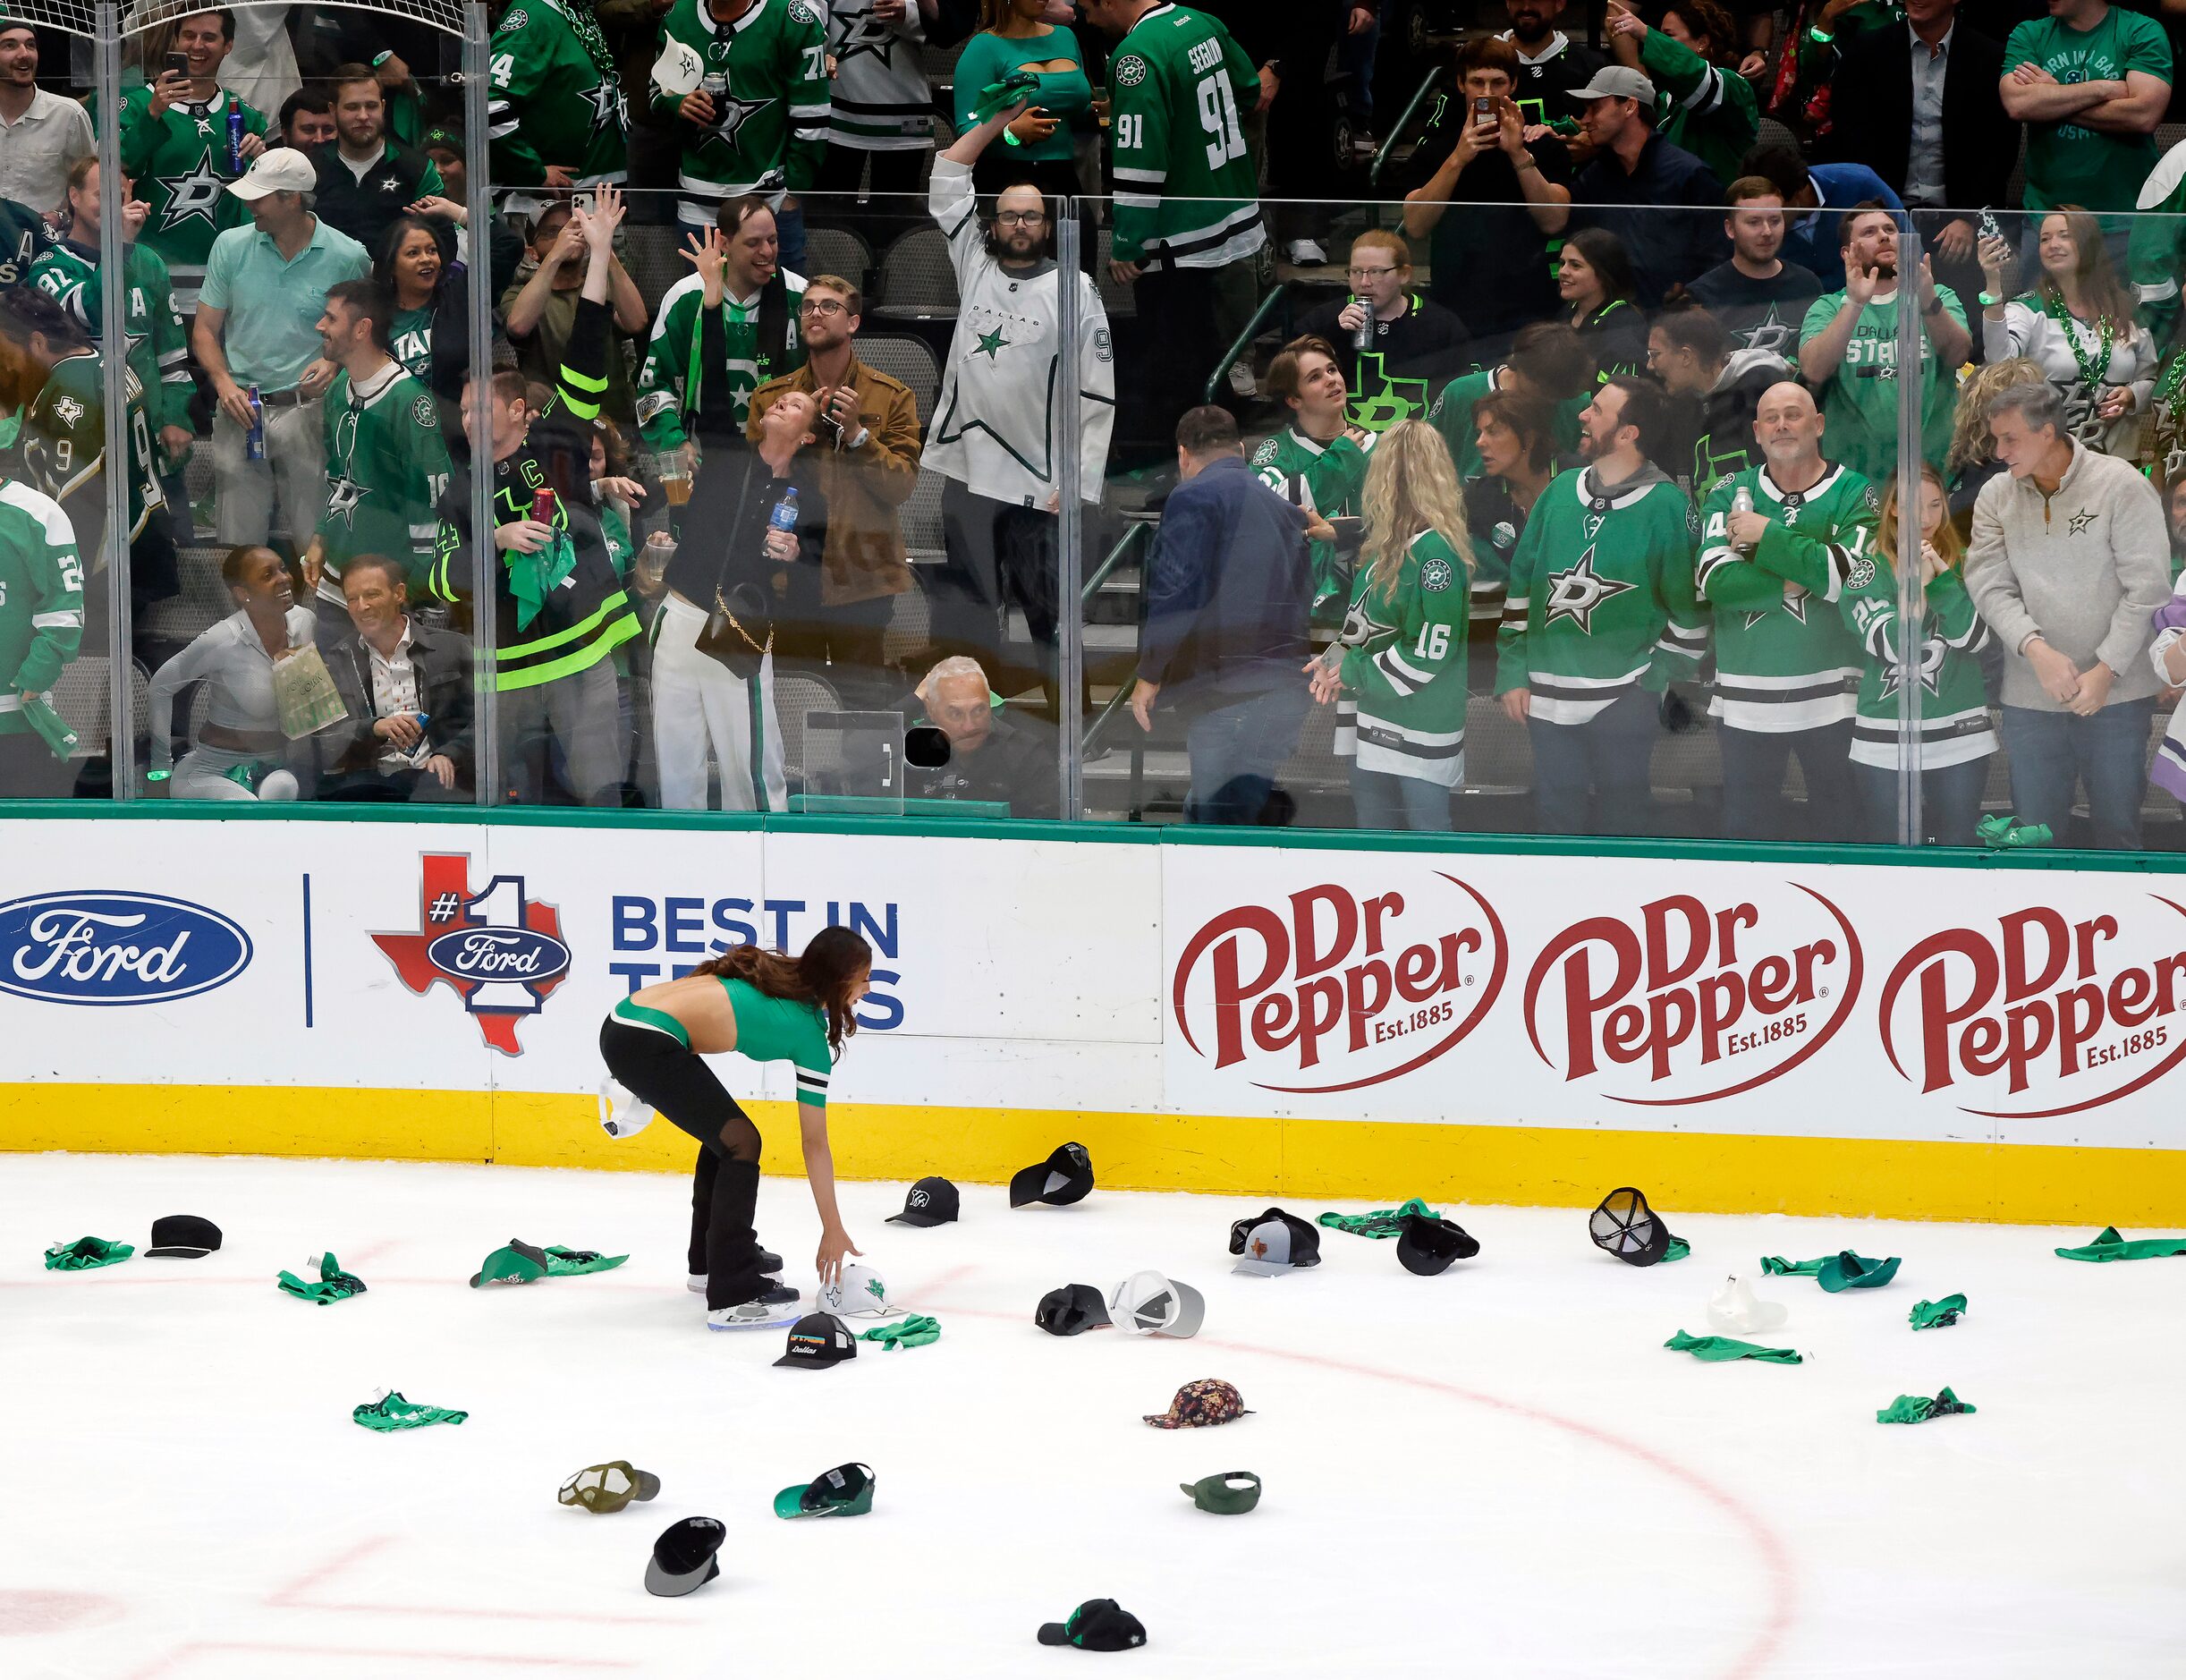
[
  {"x": 1074, "y": 1307},
  {"x": 1427, "y": 1246},
  {"x": 1063, "y": 1177},
  {"x": 1624, "y": 1225},
  {"x": 182, "y": 1236},
  {"x": 684, "y": 1558},
  {"x": 817, "y": 1341},
  {"x": 929, "y": 1201},
  {"x": 1098, "y": 1624}
]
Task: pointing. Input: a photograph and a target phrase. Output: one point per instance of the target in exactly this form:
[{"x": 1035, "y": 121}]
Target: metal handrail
[
  {"x": 1131, "y": 534},
  {"x": 1402, "y": 123},
  {"x": 1245, "y": 338},
  {"x": 1116, "y": 702}
]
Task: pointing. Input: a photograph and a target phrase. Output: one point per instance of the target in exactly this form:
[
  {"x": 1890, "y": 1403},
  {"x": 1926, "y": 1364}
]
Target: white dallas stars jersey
[
  {"x": 999, "y": 425},
  {"x": 882, "y": 102}
]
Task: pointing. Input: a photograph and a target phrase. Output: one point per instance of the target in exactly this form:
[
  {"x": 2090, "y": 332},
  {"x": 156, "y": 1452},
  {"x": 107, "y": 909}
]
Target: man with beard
[
  {"x": 1550, "y": 63},
  {"x": 999, "y": 429},
  {"x": 1759, "y": 298},
  {"x": 1848, "y": 349},
  {"x": 41, "y": 133},
  {"x": 1787, "y": 669},
  {"x": 366, "y": 178},
  {"x": 1599, "y": 617}
]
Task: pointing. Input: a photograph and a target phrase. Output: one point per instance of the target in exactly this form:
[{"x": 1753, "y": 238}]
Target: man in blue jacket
[
  {"x": 1228, "y": 595},
  {"x": 1663, "y": 202}
]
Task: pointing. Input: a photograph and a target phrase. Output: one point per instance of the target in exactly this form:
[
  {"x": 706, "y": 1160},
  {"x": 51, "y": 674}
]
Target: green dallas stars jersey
[
  {"x": 24, "y": 238},
  {"x": 767, "y": 73},
  {"x": 179, "y": 160},
  {"x": 1404, "y": 656},
  {"x": 1783, "y": 660},
  {"x": 159, "y": 352},
  {"x": 669, "y": 380},
  {"x": 1860, "y": 398},
  {"x": 1600, "y": 598},
  {"x": 387, "y": 467},
  {"x": 554, "y": 97},
  {"x": 41, "y": 599},
  {"x": 410, "y": 333},
  {"x": 1955, "y": 721},
  {"x": 1323, "y": 478},
  {"x": 1186, "y": 192},
  {"x": 61, "y": 449},
  {"x": 1451, "y": 414}
]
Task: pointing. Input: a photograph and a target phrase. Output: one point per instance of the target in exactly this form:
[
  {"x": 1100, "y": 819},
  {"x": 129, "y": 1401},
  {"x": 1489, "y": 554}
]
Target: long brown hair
[
  {"x": 823, "y": 976},
  {"x": 1946, "y": 538},
  {"x": 2099, "y": 288}
]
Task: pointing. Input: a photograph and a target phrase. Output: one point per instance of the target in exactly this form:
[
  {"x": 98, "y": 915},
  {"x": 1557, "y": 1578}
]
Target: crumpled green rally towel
[
  {"x": 571, "y": 1263},
  {"x": 1835, "y": 1272},
  {"x": 333, "y": 1284},
  {"x": 1000, "y": 96},
  {"x": 1917, "y": 1408},
  {"x": 2110, "y": 1246},
  {"x": 1715, "y": 1349},
  {"x": 393, "y": 1413},
  {"x": 1381, "y": 1222},
  {"x": 533, "y": 577},
  {"x": 916, "y": 1331},
  {"x": 1935, "y": 1315},
  {"x": 86, "y": 1252}
]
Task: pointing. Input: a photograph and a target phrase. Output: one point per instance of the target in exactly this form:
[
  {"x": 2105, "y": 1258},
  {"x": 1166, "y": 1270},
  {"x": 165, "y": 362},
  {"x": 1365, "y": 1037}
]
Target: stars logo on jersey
[
  {"x": 862, "y": 32},
  {"x": 68, "y": 411},
  {"x": 1435, "y": 575},
  {"x": 1505, "y": 536},
  {"x": 608, "y": 110},
  {"x": 1393, "y": 400},
  {"x": 735, "y": 113},
  {"x": 1931, "y": 669},
  {"x": 2080, "y": 522},
  {"x": 425, "y": 415},
  {"x": 1771, "y": 333},
  {"x": 991, "y": 345},
  {"x": 1795, "y": 605},
  {"x": 1576, "y": 593},
  {"x": 1360, "y": 627},
  {"x": 801, "y": 12},
  {"x": 343, "y": 495},
  {"x": 1129, "y": 70},
  {"x": 195, "y": 194},
  {"x": 1859, "y": 574},
  {"x": 515, "y": 21}
]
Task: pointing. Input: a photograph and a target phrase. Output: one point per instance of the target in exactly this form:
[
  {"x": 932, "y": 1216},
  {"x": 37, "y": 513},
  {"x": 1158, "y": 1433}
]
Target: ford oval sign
[
  {"x": 519, "y": 954},
  {"x": 106, "y": 948}
]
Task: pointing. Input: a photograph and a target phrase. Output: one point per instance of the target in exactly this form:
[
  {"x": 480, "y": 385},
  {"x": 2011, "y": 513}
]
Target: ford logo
[
  {"x": 104, "y": 948},
  {"x": 515, "y": 955}
]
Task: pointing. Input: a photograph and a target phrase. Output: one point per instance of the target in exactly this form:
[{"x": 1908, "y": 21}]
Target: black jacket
[
  {"x": 365, "y": 209},
  {"x": 1872, "y": 110},
  {"x": 1016, "y": 765},
  {"x": 443, "y": 662},
  {"x": 1667, "y": 246}
]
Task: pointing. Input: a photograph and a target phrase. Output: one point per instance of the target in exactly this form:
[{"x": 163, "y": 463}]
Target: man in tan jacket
[{"x": 865, "y": 444}]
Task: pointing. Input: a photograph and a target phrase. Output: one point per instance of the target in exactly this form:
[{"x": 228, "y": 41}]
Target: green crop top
[{"x": 768, "y": 1030}]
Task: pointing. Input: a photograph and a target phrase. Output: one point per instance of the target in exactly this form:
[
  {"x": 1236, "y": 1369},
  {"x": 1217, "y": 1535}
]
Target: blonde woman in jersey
[
  {"x": 1402, "y": 650},
  {"x": 770, "y": 1008}
]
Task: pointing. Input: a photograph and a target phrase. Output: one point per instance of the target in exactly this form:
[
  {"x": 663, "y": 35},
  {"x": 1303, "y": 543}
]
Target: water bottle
[
  {"x": 1741, "y": 502},
  {"x": 783, "y": 518},
  {"x": 1362, "y": 334},
  {"x": 254, "y": 440},
  {"x": 235, "y": 139}
]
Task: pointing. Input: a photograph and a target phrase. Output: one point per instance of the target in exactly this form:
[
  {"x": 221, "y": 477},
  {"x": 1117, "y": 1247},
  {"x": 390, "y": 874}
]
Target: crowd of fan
[{"x": 1591, "y": 432}]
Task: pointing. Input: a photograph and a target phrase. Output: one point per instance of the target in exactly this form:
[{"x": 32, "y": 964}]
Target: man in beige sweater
[{"x": 2070, "y": 560}]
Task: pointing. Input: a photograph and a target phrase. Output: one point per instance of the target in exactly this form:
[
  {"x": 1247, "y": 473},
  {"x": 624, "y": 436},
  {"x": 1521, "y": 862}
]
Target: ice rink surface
[{"x": 1497, "y": 1471}]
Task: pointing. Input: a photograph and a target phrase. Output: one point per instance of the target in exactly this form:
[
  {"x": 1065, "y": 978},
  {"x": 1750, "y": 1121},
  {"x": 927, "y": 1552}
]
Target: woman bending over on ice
[{"x": 770, "y": 1008}]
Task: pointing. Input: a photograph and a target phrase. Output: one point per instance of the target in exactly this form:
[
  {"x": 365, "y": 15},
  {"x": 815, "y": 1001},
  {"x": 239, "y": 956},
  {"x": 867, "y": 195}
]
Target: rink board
[{"x": 1738, "y": 1031}]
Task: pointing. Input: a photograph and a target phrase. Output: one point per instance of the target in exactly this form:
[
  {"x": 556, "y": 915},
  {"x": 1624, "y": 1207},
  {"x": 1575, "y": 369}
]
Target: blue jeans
[
  {"x": 1950, "y": 801},
  {"x": 1384, "y": 800},
  {"x": 2107, "y": 753},
  {"x": 1592, "y": 777},
  {"x": 1236, "y": 749},
  {"x": 1755, "y": 806}
]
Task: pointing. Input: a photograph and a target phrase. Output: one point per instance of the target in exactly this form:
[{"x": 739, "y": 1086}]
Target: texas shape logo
[{"x": 500, "y": 951}]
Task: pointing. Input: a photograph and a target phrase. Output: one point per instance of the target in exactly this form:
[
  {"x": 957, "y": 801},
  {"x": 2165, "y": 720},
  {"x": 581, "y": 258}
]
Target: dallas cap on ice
[
  {"x": 1097, "y": 1624},
  {"x": 684, "y": 1558},
  {"x": 1146, "y": 1303},
  {"x": 1273, "y": 1243},
  {"x": 1232, "y": 1493},
  {"x": 846, "y": 1490},
  {"x": 1202, "y": 1405},
  {"x": 817, "y": 1341},
  {"x": 182, "y": 1236},
  {"x": 604, "y": 1489},
  {"x": 1072, "y": 1308},
  {"x": 1427, "y": 1246},
  {"x": 860, "y": 1292},
  {"x": 1063, "y": 1177},
  {"x": 930, "y": 1201},
  {"x": 1624, "y": 1225}
]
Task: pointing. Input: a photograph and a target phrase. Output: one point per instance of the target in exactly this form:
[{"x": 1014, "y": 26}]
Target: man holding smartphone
[
  {"x": 183, "y": 138},
  {"x": 1492, "y": 194}
]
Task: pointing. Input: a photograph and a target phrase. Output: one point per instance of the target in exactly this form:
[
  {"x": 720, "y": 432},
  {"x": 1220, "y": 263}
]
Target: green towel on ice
[
  {"x": 1835, "y": 1272},
  {"x": 1715, "y": 1349},
  {"x": 333, "y": 1283},
  {"x": 86, "y": 1252},
  {"x": 1935, "y": 1315},
  {"x": 1917, "y": 1408},
  {"x": 916, "y": 1331},
  {"x": 394, "y": 1412},
  {"x": 572, "y": 1262},
  {"x": 2110, "y": 1246},
  {"x": 1381, "y": 1222}
]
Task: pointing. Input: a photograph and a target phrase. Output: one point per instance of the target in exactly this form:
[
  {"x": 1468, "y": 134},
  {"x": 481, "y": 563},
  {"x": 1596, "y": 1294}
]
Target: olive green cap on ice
[{"x": 1232, "y": 1493}]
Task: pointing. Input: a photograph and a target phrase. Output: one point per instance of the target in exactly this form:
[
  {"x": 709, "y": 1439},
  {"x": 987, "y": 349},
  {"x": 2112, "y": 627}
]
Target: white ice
[{"x": 1497, "y": 1471}]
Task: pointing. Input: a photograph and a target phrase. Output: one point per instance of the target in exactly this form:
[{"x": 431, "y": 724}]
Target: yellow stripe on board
[{"x": 1370, "y": 1160}]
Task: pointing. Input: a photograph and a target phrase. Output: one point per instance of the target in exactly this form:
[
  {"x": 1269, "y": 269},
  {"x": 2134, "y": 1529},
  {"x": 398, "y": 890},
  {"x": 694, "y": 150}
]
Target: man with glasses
[
  {"x": 1395, "y": 350},
  {"x": 1001, "y": 428}
]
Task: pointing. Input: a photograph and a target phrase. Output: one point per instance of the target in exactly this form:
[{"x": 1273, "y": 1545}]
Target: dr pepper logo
[
  {"x": 1693, "y": 999},
  {"x": 2039, "y": 1014},
  {"x": 1332, "y": 989}
]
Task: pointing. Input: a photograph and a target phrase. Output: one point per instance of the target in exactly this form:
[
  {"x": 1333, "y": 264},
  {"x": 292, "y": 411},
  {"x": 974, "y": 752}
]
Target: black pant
[
  {"x": 725, "y": 1192},
  {"x": 898, "y": 196},
  {"x": 1754, "y": 806},
  {"x": 999, "y": 554},
  {"x": 29, "y": 770},
  {"x": 1178, "y": 348}
]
